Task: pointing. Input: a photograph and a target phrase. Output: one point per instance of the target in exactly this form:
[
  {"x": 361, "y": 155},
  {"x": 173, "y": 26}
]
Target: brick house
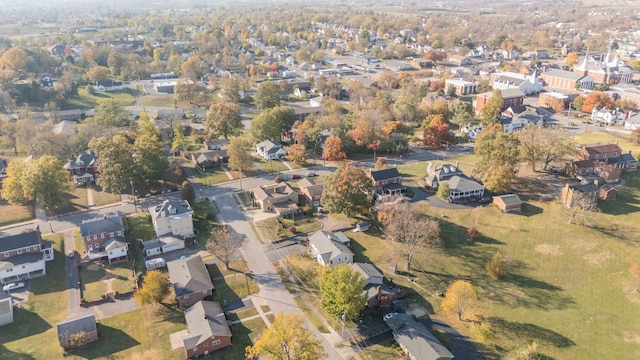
[
  {"x": 311, "y": 191},
  {"x": 513, "y": 98},
  {"x": 509, "y": 203},
  {"x": 104, "y": 237},
  {"x": 281, "y": 198},
  {"x": 207, "y": 330},
  {"x": 83, "y": 168},
  {"x": 190, "y": 280},
  {"x": 553, "y": 100},
  {"x": 23, "y": 256},
  {"x": 387, "y": 181},
  {"x": 583, "y": 195}
]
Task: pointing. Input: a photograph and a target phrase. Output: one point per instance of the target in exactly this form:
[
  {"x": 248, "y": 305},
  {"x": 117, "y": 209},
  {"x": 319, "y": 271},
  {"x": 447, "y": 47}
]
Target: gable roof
[
  {"x": 462, "y": 184},
  {"x": 510, "y": 199},
  {"x": 306, "y": 182},
  {"x": 366, "y": 270},
  {"x": 189, "y": 275},
  {"x": 85, "y": 159},
  {"x": 108, "y": 83},
  {"x": 584, "y": 188},
  {"x": 115, "y": 243},
  {"x": 327, "y": 248},
  {"x": 25, "y": 239},
  {"x": 273, "y": 191},
  {"x": 416, "y": 339},
  {"x": 384, "y": 174},
  {"x": 570, "y": 75},
  {"x": 170, "y": 208},
  {"x": 205, "y": 319},
  {"x": 101, "y": 225},
  {"x": 74, "y": 326},
  {"x": 511, "y": 93},
  {"x": 593, "y": 149}
]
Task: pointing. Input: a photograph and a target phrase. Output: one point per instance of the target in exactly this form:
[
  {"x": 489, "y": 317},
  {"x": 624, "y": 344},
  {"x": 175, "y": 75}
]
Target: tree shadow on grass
[
  {"x": 531, "y": 332},
  {"x": 110, "y": 341},
  {"x": 169, "y": 312},
  {"x": 8, "y": 354},
  {"x": 25, "y": 324}
]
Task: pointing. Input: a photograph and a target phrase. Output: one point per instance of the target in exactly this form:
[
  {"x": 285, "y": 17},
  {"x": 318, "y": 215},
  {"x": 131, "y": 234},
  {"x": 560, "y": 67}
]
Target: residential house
[
  {"x": 311, "y": 191},
  {"x": 215, "y": 144},
  {"x": 471, "y": 131},
  {"x": 460, "y": 60},
  {"x": 583, "y": 195},
  {"x": 512, "y": 98},
  {"x": 327, "y": 251},
  {"x": 165, "y": 87},
  {"x": 65, "y": 128},
  {"x": 190, "y": 280},
  {"x": 3, "y": 170},
  {"x": 441, "y": 173},
  {"x": 163, "y": 244},
  {"x": 281, "y": 198},
  {"x": 86, "y": 325},
  {"x": 174, "y": 217},
  {"x": 464, "y": 189},
  {"x": 387, "y": 181},
  {"x": 210, "y": 158},
  {"x": 415, "y": 339},
  {"x": 6, "y": 311},
  {"x": 512, "y": 122},
  {"x": 608, "y": 192},
  {"x": 462, "y": 87},
  {"x": 528, "y": 84},
  {"x": 108, "y": 85},
  {"x": 567, "y": 80},
  {"x": 83, "y": 168},
  {"x": 57, "y": 50},
  {"x": 371, "y": 275},
  {"x": 553, "y": 100},
  {"x": 23, "y": 256},
  {"x": 509, "y": 203},
  {"x": 316, "y": 102},
  {"x": 610, "y": 154},
  {"x": 104, "y": 237},
  {"x": 207, "y": 330},
  {"x": 269, "y": 150},
  {"x": 632, "y": 122},
  {"x": 607, "y": 117}
]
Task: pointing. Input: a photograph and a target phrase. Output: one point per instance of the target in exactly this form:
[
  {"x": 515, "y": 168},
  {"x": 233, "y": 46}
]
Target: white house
[
  {"x": 269, "y": 150},
  {"x": 23, "y": 256},
  {"x": 163, "y": 244},
  {"x": 173, "y": 217},
  {"x": 607, "y": 117},
  {"x": 632, "y": 121},
  {"x": 108, "y": 85},
  {"x": 528, "y": 84},
  {"x": 327, "y": 251},
  {"x": 471, "y": 131},
  {"x": 369, "y": 273},
  {"x": 462, "y": 87},
  {"x": 516, "y": 122},
  {"x": 463, "y": 189}
]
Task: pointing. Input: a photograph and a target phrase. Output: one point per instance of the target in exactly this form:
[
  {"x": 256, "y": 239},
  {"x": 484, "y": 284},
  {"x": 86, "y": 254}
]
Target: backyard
[{"x": 276, "y": 228}]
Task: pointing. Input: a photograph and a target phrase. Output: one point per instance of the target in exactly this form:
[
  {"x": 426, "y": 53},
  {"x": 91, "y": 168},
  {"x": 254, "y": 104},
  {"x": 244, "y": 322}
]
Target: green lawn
[
  {"x": 101, "y": 198},
  {"x": 158, "y": 100},
  {"x": 273, "y": 229},
  {"x": 84, "y": 100},
  {"x": 270, "y": 166},
  {"x": 12, "y": 214},
  {"x": 234, "y": 286},
  {"x": 124, "y": 281},
  {"x": 387, "y": 350},
  {"x": 211, "y": 176},
  {"x": 244, "y": 334},
  {"x": 593, "y": 137}
]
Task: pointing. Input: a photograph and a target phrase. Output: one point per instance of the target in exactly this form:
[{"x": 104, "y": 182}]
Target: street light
[
  {"x": 344, "y": 315},
  {"x": 135, "y": 206},
  {"x": 50, "y": 226}
]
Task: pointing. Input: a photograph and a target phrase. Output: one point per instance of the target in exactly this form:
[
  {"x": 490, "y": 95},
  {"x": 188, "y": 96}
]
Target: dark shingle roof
[
  {"x": 86, "y": 324},
  {"x": 205, "y": 319},
  {"x": 379, "y": 175},
  {"x": 189, "y": 276},
  {"x": 510, "y": 199},
  {"x": 12, "y": 242},
  {"x": 101, "y": 225}
]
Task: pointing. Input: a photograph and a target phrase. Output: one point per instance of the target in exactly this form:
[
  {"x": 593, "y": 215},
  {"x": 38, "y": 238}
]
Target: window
[
  {"x": 95, "y": 237},
  {"x": 215, "y": 342},
  {"x": 119, "y": 233},
  {"x": 28, "y": 249},
  {"x": 110, "y": 234},
  {"x": 19, "y": 251},
  {"x": 35, "y": 247},
  {"x": 90, "y": 247},
  {"x": 6, "y": 253}
]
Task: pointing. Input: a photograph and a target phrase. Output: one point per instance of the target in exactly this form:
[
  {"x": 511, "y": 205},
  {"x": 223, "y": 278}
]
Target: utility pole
[{"x": 344, "y": 315}]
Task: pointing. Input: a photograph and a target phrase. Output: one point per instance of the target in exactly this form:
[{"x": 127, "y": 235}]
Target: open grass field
[
  {"x": 12, "y": 214},
  {"x": 157, "y": 100},
  {"x": 84, "y": 100},
  {"x": 274, "y": 229},
  {"x": 270, "y": 166}
]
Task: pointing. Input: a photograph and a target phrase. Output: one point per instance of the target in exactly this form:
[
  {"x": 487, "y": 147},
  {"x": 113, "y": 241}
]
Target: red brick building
[
  {"x": 513, "y": 98},
  {"x": 207, "y": 330}
]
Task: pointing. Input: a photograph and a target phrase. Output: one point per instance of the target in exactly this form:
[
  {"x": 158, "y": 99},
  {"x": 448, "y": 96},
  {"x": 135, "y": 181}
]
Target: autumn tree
[
  {"x": 499, "y": 155},
  {"x": 150, "y": 158},
  {"x": 495, "y": 266},
  {"x": 571, "y": 59},
  {"x": 438, "y": 136},
  {"x": 347, "y": 191},
  {"x": 223, "y": 120},
  {"x": 185, "y": 90},
  {"x": 188, "y": 193},
  {"x": 598, "y": 99},
  {"x": 155, "y": 288},
  {"x": 286, "y": 338},
  {"x": 239, "y": 157},
  {"x": 333, "y": 149},
  {"x": 223, "y": 243},
  {"x": 409, "y": 228},
  {"x": 544, "y": 145},
  {"x": 461, "y": 297},
  {"x": 472, "y": 233},
  {"x": 341, "y": 290},
  {"x": 14, "y": 187},
  {"x": 267, "y": 96},
  {"x": 490, "y": 113},
  {"x": 381, "y": 163},
  {"x": 443, "y": 191},
  {"x": 634, "y": 270},
  {"x": 98, "y": 73},
  {"x": 297, "y": 153},
  {"x": 193, "y": 68},
  {"x": 115, "y": 161},
  {"x": 635, "y": 136},
  {"x": 110, "y": 113},
  {"x": 178, "y": 137},
  {"x": 44, "y": 177}
]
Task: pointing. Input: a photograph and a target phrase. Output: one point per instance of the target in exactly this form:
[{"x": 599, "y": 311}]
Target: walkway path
[
  {"x": 227, "y": 172},
  {"x": 90, "y": 202}
]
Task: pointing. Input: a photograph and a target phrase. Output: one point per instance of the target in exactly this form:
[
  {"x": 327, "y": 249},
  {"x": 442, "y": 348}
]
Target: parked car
[
  {"x": 311, "y": 174},
  {"x": 13, "y": 286}
]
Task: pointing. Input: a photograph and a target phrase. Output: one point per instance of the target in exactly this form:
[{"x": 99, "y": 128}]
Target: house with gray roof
[
  {"x": 190, "y": 280},
  {"x": 83, "y": 167},
  {"x": 23, "y": 256},
  {"x": 440, "y": 174},
  {"x": 387, "y": 181},
  {"x": 415, "y": 339},
  {"x": 104, "y": 237},
  {"x": 174, "y": 217},
  {"x": 67, "y": 330},
  {"x": 269, "y": 150},
  {"x": 371, "y": 275},
  {"x": 207, "y": 329},
  {"x": 327, "y": 251},
  {"x": 464, "y": 189}
]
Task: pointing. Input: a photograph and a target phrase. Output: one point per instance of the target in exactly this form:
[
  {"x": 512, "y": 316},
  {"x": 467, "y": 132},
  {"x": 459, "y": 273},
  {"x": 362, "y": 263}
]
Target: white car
[{"x": 13, "y": 286}]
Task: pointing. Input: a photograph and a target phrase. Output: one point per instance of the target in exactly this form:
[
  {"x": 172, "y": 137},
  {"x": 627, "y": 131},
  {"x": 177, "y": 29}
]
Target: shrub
[
  {"x": 482, "y": 333},
  {"x": 278, "y": 179},
  {"x": 292, "y": 229},
  {"x": 495, "y": 266},
  {"x": 472, "y": 233}
]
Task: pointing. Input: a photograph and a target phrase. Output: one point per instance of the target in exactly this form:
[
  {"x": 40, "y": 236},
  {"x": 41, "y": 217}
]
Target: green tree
[
  {"x": 451, "y": 91},
  {"x": 110, "y": 113},
  {"x": 178, "y": 137},
  {"x": 499, "y": 155},
  {"x": 268, "y": 95},
  {"x": 239, "y": 158},
  {"x": 286, "y": 338},
  {"x": 47, "y": 178},
  {"x": 98, "y": 73},
  {"x": 460, "y": 297},
  {"x": 223, "y": 244},
  {"x": 578, "y": 102},
  {"x": 150, "y": 158},
  {"x": 443, "y": 191},
  {"x": 266, "y": 126},
  {"x": 347, "y": 191},
  {"x": 185, "y": 90},
  {"x": 115, "y": 162},
  {"x": 490, "y": 113},
  {"x": 285, "y": 115},
  {"x": 462, "y": 112},
  {"x": 188, "y": 193},
  {"x": 495, "y": 266},
  {"x": 14, "y": 187},
  {"x": 544, "y": 145},
  {"x": 223, "y": 120},
  {"x": 155, "y": 288},
  {"x": 341, "y": 290}
]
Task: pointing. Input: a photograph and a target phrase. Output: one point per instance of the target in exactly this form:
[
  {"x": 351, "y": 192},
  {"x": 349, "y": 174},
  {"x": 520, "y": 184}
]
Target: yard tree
[
  {"x": 495, "y": 266},
  {"x": 381, "y": 163},
  {"x": 150, "y": 158},
  {"x": 116, "y": 61},
  {"x": 239, "y": 158},
  {"x": 178, "y": 137},
  {"x": 499, "y": 155},
  {"x": 363, "y": 132},
  {"x": 341, "y": 290},
  {"x": 110, "y": 113},
  {"x": 409, "y": 228},
  {"x": 580, "y": 211},
  {"x": 461, "y": 297},
  {"x": 286, "y": 338},
  {"x": 443, "y": 190},
  {"x": 193, "y": 68},
  {"x": 98, "y": 73},
  {"x": 155, "y": 288},
  {"x": 578, "y": 102},
  {"x": 333, "y": 149},
  {"x": 438, "y": 136},
  {"x": 185, "y": 90},
  {"x": 230, "y": 88},
  {"x": 490, "y": 113},
  {"x": 544, "y": 145},
  {"x": 267, "y": 96},
  {"x": 598, "y": 99},
  {"x": 14, "y": 187},
  {"x": 115, "y": 161},
  {"x": 175, "y": 165},
  {"x": 266, "y": 126},
  {"x": 635, "y": 136},
  {"x": 286, "y": 115},
  {"x": 634, "y": 270},
  {"x": 188, "y": 193},
  {"x": 347, "y": 191},
  {"x": 47, "y": 178},
  {"x": 223, "y": 243},
  {"x": 297, "y": 153},
  {"x": 571, "y": 58},
  {"x": 223, "y": 120}
]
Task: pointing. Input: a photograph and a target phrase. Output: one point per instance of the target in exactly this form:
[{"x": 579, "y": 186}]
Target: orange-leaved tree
[{"x": 333, "y": 149}]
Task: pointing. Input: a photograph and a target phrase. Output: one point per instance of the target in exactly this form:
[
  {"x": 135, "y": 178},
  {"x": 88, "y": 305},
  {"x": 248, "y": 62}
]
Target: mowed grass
[
  {"x": 84, "y": 100},
  {"x": 12, "y": 214},
  {"x": 33, "y": 332},
  {"x": 270, "y": 166}
]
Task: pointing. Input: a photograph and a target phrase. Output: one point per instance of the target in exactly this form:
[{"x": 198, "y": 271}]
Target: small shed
[
  {"x": 69, "y": 332},
  {"x": 361, "y": 226},
  {"x": 509, "y": 203},
  {"x": 608, "y": 192},
  {"x": 6, "y": 311}
]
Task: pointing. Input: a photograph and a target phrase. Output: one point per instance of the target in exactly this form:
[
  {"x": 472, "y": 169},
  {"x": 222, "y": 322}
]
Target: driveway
[{"x": 461, "y": 347}]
